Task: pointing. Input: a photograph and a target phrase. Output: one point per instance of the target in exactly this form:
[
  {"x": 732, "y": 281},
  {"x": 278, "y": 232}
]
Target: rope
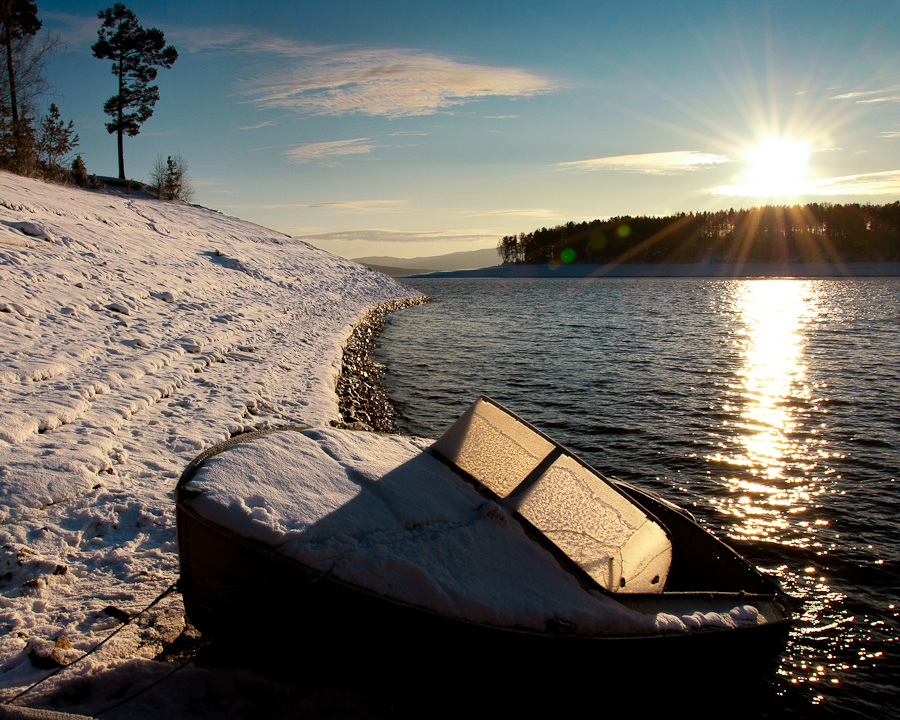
[
  {"x": 169, "y": 590},
  {"x": 143, "y": 690}
]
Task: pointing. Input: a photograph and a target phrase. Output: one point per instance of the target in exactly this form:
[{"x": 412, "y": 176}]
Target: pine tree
[
  {"x": 55, "y": 138},
  {"x": 136, "y": 52},
  {"x": 79, "y": 172},
  {"x": 174, "y": 179}
]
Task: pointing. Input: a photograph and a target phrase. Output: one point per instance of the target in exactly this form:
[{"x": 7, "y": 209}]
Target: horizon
[{"x": 413, "y": 131}]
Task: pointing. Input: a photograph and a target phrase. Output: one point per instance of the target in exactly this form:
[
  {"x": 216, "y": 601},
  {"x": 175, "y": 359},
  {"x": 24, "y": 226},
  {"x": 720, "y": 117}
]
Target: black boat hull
[{"x": 247, "y": 595}]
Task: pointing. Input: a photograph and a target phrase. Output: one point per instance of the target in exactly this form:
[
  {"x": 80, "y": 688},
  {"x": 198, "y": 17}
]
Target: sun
[{"x": 777, "y": 167}]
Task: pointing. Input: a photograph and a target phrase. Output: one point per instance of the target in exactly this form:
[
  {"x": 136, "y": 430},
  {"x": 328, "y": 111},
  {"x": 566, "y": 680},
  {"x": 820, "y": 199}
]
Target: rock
[
  {"x": 46, "y": 656},
  {"x": 116, "y": 613},
  {"x": 362, "y": 401},
  {"x": 32, "y": 230},
  {"x": 119, "y": 308}
]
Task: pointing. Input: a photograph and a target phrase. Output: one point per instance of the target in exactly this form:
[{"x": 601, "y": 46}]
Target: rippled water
[{"x": 769, "y": 408}]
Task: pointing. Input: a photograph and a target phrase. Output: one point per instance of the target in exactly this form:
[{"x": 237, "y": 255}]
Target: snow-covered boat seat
[{"x": 614, "y": 541}]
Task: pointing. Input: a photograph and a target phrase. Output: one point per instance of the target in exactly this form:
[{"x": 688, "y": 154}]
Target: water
[{"x": 769, "y": 408}]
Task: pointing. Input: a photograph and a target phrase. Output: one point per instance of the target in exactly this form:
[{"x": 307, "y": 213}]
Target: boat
[{"x": 493, "y": 540}]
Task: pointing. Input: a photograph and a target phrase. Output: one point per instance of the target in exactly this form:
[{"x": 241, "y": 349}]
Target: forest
[{"x": 815, "y": 232}]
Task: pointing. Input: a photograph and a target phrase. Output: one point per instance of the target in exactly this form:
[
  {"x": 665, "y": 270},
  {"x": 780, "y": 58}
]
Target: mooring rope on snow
[
  {"x": 144, "y": 689},
  {"x": 168, "y": 591}
]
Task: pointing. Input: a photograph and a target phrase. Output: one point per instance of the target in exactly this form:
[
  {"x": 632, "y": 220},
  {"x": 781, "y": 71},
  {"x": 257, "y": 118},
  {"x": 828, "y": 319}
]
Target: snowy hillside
[{"x": 133, "y": 334}]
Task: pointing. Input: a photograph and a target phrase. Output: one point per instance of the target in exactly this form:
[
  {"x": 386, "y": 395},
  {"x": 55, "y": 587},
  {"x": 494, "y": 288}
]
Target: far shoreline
[{"x": 671, "y": 270}]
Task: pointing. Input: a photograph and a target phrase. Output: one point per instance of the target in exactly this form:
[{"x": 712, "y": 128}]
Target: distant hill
[{"x": 466, "y": 260}]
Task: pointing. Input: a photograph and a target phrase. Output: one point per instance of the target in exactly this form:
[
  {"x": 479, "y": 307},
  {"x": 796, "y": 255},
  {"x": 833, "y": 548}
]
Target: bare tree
[
  {"x": 18, "y": 22},
  {"x": 22, "y": 80},
  {"x": 30, "y": 57}
]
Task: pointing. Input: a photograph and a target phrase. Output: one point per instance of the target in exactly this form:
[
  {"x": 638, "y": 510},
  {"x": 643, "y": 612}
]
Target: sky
[{"x": 412, "y": 129}]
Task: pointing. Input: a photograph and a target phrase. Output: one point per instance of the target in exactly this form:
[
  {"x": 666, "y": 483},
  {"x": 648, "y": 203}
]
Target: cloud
[
  {"x": 332, "y": 80},
  {"x": 349, "y": 205},
  {"x": 400, "y": 236},
  {"x": 870, "y": 96},
  {"x": 234, "y": 38},
  {"x": 886, "y": 98},
  {"x": 308, "y": 151},
  {"x": 385, "y": 82},
  {"x": 76, "y": 31},
  {"x": 880, "y": 183},
  {"x": 526, "y": 212},
  {"x": 353, "y": 206},
  {"x": 265, "y": 123},
  {"x": 661, "y": 163},
  {"x": 360, "y": 205}
]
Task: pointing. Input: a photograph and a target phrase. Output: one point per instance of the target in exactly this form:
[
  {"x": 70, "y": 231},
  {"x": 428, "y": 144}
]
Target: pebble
[{"x": 362, "y": 402}]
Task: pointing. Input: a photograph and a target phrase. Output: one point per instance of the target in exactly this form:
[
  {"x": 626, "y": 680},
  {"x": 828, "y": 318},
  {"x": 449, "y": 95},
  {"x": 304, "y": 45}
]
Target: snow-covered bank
[{"x": 133, "y": 334}]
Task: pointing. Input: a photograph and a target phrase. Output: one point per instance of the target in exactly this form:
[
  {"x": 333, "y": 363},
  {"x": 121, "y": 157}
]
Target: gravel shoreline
[{"x": 362, "y": 402}]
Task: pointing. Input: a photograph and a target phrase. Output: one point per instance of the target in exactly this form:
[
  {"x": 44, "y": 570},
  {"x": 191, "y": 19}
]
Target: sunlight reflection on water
[
  {"x": 768, "y": 470},
  {"x": 776, "y": 464}
]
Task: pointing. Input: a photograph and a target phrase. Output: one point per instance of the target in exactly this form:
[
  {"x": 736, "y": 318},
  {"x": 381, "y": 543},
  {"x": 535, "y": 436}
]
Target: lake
[{"x": 770, "y": 408}]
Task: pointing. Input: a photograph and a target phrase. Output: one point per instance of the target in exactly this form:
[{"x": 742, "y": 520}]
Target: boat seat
[{"x": 611, "y": 538}]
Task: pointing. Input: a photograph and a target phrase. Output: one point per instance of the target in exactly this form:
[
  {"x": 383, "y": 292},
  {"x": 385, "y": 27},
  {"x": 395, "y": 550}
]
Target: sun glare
[{"x": 777, "y": 167}]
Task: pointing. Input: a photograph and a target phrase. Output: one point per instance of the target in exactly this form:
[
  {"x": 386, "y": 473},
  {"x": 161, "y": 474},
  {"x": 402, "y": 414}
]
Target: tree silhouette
[
  {"x": 19, "y": 20},
  {"x": 771, "y": 234},
  {"x": 136, "y": 52}
]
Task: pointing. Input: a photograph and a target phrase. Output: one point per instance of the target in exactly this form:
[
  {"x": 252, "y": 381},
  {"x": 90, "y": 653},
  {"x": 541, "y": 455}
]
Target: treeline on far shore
[{"x": 815, "y": 232}]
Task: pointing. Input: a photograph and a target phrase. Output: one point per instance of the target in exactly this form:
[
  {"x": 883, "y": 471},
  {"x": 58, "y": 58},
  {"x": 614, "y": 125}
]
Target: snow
[
  {"x": 133, "y": 334},
  {"x": 380, "y": 513},
  {"x": 377, "y": 512},
  {"x": 137, "y": 333}
]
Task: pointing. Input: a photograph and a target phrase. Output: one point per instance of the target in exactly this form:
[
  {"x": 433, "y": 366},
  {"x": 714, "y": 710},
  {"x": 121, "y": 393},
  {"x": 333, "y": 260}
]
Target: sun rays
[{"x": 777, "y": 167}]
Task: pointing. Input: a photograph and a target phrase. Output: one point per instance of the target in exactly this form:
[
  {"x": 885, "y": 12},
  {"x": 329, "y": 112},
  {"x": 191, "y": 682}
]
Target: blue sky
[{"x": 419, "y": 128}]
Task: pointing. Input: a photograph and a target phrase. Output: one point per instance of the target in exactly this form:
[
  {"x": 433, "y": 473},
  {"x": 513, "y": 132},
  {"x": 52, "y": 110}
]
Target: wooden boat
[{"x": 247, "y": 582}]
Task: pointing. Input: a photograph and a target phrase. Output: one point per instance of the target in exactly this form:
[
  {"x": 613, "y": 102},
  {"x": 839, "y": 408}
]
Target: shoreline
[
  {"x": 692, "y": 270},
  {"x": 362, "y": 401}
]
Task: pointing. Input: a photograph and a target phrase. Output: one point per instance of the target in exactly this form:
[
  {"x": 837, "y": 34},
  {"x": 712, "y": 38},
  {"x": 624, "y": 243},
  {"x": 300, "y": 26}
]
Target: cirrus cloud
[
  {"x": 385, "y": 82},
  {"x": 331, "y": 80},
  {"x": 659, "y": 163},
  {"x": 877, "y": 183},
  {"x": 864, "y": 97},
  {"x": 308, "y": 151}
]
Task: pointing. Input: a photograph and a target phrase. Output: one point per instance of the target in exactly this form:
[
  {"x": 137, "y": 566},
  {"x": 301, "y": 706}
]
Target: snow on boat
[{"x": 493, "y": 538}]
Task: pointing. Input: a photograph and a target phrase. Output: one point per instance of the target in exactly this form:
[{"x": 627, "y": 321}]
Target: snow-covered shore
[{"x": 133, "y": 334}]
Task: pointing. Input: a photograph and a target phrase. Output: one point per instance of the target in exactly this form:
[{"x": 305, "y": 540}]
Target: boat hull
[{"x": 246, "y": 595}]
